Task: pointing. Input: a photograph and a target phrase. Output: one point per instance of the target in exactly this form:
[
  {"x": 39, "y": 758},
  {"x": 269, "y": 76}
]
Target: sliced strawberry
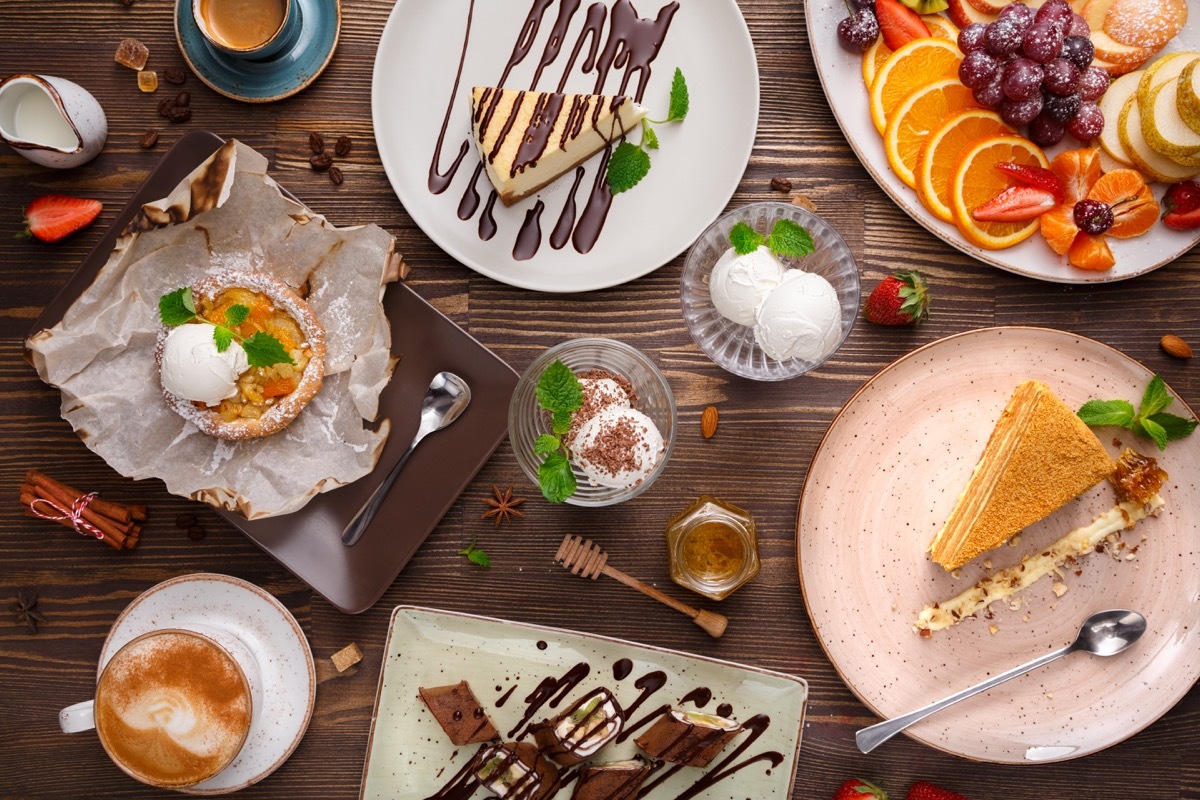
[
  {"x": 1037, "y": 177},
  {"x": 1181, "y": 205},
  {"x": 54, "y": 216},
  {"x": 1015, "y": 204},
  {"x": 899, "y": 24},
  {"x": 1182, "y": 220},
  {"x": 1091, "y": 252}
]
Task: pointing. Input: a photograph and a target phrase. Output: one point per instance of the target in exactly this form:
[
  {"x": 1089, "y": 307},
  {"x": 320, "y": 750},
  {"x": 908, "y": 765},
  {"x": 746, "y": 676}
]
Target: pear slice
[
  {"x": 1165, "y": 130},
  {"x": 1119, "y": 92},
  {"x": 1188, "y": 96},
  {"x": 1151, "y": 163}
]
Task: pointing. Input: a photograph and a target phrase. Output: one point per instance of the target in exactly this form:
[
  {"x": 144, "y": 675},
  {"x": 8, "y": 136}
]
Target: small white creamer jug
[{"x": 51, "y": 121}]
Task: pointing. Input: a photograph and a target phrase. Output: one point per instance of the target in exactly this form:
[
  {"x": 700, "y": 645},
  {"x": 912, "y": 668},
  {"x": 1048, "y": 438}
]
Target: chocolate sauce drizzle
[
  {"x": 551, "y": 691},
  {"x": 700, "y": 697},
  {"x": 504, "y": 697},
  {"x": 632, "y": 45},
  {"x": 622, "y": 668}
]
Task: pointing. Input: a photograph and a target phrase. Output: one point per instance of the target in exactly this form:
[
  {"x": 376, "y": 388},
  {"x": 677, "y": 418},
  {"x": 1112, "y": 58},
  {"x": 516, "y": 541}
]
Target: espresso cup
[
  {"x": 255, "y": 29},
  {"x": 173, "y": 707}
]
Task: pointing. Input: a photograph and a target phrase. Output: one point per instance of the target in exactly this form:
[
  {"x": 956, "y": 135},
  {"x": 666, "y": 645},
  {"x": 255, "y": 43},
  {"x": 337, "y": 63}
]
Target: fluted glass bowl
[
  {"x": 730, "y": 345},
  {"x": 526, "y": 420}
]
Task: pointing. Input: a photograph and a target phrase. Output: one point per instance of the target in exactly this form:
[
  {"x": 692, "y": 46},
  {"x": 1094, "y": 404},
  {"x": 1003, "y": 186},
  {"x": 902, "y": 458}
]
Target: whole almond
[
  {"x": 708, "y": 422},
  {"x": 1174, "y": 346}
]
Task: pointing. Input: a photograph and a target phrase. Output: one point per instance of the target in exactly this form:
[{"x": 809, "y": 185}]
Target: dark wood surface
[{"x": 758, "y": 459}]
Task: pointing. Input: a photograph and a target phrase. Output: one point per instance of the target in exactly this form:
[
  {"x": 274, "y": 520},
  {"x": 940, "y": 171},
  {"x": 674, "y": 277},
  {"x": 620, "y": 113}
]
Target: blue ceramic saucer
[{"x": 263, "y": 80}]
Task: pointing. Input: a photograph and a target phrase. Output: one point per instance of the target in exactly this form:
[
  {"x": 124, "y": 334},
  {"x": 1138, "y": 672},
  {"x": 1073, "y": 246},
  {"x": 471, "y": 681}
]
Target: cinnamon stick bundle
[{"x": 118, "y": 525}]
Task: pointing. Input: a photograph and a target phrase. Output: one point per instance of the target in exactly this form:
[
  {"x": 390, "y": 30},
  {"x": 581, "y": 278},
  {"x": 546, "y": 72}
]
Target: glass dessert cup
[
  {"x": 526, "y": 420},
  {"x": 732, "y": 346}
]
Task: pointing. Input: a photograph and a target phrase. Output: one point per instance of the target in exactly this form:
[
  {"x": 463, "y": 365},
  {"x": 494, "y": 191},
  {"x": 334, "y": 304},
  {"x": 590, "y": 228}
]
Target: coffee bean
[
  {"x": 126, "y": 2},
  {"x": 343, "y": 146},
  {"x": 174, "y": 75},
  {"x": 781, "y": 185},
  {"x": 321, "y": 162},
  {"x": 183, "y": 99},
  {"x": 148, "y": 140},
  {"x": 180, "y": 114},
  {"x": 185, "y": 520},
  {"x": 196, "y": 533},
  {"x": 335, "y": 175},
  {"x": 165, "y": 105},
  {"x": 316, "y": 143}
]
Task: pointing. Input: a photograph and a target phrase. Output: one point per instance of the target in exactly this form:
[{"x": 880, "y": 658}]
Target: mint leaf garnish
[
  {"x": 555, "y": 478},
  {"x": 223, "y": 337},
  {"x": 627, "y": 166},
  {"x": 679, "y": 97},
  {"x": 475, "y": 555},
  {"x": 1149, "y": 421},
  {"x": 790, "y": 240},
  {"x": 177, "y": 307},
  {"x": 236, "y": 314},
  {"x": 558, "y": 389},
  {"x": 649, "y": 137},
  {"x": 745, "y": 239},
  {"x": 546, "y": 444},
  {"x": 263, "y": 350},
  {"x": 560, "y": 423}
]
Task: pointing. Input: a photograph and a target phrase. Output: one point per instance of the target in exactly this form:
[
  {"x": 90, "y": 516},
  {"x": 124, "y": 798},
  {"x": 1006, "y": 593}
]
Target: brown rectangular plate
[{"x": 308, "y": 542}]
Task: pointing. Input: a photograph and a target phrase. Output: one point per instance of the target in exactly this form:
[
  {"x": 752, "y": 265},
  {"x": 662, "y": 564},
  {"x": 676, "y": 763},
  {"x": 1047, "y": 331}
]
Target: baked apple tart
[{"x": 240, "y": 354}]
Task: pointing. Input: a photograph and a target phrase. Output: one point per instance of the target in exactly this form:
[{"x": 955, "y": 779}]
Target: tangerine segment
[
  {"x": 1059, "y": 228},
  {"x": 1091, "y": 252},
  {"x": 1079, "y": 170},
  {"x": 913, "y": 66},
  {"x": 877, "y": 54},
  {"x": 1133, "y": 205},
  {"x": 940, "y": 153},
  {"x": 914, "y": 119},
  {"x": 976, "y": 180}
]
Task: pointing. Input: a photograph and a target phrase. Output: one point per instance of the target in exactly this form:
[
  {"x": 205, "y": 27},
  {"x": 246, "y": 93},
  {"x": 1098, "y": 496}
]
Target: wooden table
[{"x": 758, "y": 459}]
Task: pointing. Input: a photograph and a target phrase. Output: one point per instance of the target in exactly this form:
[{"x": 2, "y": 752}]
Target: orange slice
[
  {"x": 1059, "y": 228},
  {"x": 1133, "y": 205},
  {"x": 1091, "y": 252},
  {"x": 940, "y": 153},
  {"x": 1079, "y": 170},
  {"x": 916, "y": 64},
  {"x": 878, "y": 53},
  {"x": 976, "y": 180},
  {"x": 913, "y": 120}
]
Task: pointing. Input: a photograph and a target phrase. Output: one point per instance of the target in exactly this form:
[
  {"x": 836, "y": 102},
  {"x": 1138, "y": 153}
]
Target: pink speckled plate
[{"x": 882, "y": 483}]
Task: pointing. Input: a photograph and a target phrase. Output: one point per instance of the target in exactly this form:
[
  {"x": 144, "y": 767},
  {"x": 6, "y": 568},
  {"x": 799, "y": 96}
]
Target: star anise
[
  {"x": 27, "y": 612},
  {"x": 504, "y": 505}
]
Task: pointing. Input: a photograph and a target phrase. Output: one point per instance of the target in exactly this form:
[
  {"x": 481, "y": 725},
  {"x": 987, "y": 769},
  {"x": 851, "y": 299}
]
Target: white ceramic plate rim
[
  {"x": 1162, "y": 704},
  {"x": 847, "y": 97},
  {"x": 106, "y": 652},
  {"x": 617, "y": 257}
]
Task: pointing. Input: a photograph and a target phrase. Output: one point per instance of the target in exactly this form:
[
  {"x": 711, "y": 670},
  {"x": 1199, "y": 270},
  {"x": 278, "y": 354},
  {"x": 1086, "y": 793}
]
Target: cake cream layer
[
  {"x": 527, "y": 139},
  {"x": 1039, "y": 457}
]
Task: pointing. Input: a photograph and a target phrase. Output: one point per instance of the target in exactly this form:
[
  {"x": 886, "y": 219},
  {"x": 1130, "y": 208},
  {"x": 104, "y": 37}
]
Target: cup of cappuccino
[
  {"x": 255, "y": 29},
  {"x": 173, "y": 707}
]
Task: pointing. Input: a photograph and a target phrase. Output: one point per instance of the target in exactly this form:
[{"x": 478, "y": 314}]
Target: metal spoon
[
  {"x": 1104, "y": 633},
  {"x": 446, "y": 399}
]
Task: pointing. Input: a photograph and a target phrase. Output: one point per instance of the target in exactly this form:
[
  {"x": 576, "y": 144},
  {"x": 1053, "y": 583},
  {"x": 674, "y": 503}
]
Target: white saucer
[{"x": 269, "y": 630}]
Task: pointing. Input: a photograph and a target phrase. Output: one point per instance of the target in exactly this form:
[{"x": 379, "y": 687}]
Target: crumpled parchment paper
[{"x": 228, "y": 214}]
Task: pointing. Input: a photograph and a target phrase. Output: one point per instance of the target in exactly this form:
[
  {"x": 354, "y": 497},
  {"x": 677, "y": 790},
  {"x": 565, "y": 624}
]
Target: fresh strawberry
[
  {"x": 899, "y": 23},
  {"x": 1037, "y": 177},
  {"x": 1182, "y": 204},
  {"x": 54, "y": 216},
  {"x": 902, "y": 298},
  {"x": 922, "y": 790},
  {"x": 855, "y": 789},
  {"x": 1016, "y": 204}
]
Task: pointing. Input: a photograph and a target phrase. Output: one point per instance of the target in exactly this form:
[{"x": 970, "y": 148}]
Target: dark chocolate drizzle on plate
[
  {"x": 530, "y": 237},
  {"x": 622, "y": 668},
  {"x": 724, "y": 710},
  {"x": 504, "y": 697},
  {"x": 700, "y": 696},
  {"x": 551, "y": 691}
]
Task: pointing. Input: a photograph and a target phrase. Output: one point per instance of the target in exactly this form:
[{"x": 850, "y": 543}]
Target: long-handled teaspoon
[
  {"x": 446, "y": 399},
  {"x": 1104, "y": 633}
]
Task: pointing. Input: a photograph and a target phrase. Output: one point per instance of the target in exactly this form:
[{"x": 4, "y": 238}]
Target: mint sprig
[
  {"x": 262, "y": 349},
  {"x": 559, "y": 392},
  {"x": 787, "y": 239},
  {"x": 475, "y": 555},
  {"x": 1150, "y": 420},
  {"x": 629, "y": 163}
]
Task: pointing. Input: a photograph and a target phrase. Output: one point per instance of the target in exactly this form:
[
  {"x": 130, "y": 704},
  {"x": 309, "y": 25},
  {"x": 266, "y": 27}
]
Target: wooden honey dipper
[{"x": 590, "y": 561}]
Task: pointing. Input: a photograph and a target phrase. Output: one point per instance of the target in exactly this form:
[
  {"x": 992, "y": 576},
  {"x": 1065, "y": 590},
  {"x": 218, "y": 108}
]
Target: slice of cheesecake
[
  {"x": 1039, "y": 457},
  {"x": 528, "y": 139}
]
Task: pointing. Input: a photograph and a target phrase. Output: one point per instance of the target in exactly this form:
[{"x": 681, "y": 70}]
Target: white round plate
[
  {"x": 841, "y": 77},
  {"x": 883, "y": 482},
  {"x": 268, "y": 629},
  {"x": 693, "y": 174}
]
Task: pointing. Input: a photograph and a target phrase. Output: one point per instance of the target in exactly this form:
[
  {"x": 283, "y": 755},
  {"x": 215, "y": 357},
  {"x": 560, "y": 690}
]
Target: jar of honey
[{"x": 713, "y": 547}]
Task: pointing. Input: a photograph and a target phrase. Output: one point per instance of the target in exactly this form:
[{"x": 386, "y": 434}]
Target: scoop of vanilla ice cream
[
  {"x": 800, "y": 318},
  {"x": 194, "y": 370},
  {"x": 618, "y": 447},
  {"x": 740, "y": 283}
]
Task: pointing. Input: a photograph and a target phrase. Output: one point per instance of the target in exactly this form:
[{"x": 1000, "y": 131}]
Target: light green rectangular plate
[{"x": 409, "y": 756}]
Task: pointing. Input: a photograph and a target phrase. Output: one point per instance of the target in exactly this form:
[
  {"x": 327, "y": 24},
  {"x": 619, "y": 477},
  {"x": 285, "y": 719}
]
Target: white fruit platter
[{"x": 841, "y": 73}]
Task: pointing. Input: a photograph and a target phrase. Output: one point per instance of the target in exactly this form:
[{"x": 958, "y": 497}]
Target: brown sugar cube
[
  {"x": 459, "y": 713},
  {"x": 347, "y": 657},
  {"x": 616, "y": 779},
  {"x": 148, "y": 80},
  {"x": 692, "y": 740},
  {"x": 131, "y": 53}
]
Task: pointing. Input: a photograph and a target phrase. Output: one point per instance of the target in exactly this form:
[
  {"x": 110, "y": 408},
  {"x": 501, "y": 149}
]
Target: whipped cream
[
  {"x": 194, "y": 370},
  {"x": 740, "y": 283},
  {"x": 800, "y": 318}
]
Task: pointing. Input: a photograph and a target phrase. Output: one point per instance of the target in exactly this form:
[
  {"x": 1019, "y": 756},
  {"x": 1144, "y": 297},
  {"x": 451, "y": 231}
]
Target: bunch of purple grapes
[{"x": 1036, "y": 69}]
